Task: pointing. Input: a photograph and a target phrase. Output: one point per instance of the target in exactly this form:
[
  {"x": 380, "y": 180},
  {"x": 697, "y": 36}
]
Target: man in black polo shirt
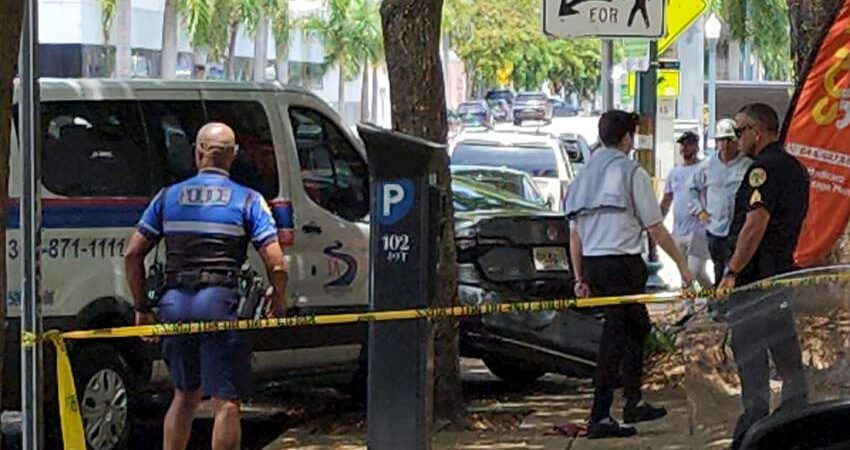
[{"x": 769, "y": 210}]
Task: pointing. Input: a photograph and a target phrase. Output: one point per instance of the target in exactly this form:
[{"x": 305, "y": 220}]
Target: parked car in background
[
  {"x": 501, "y": 110},
  {"x": 577, "y": 149},
  {"x": 540, "y": 155},
  {"x": 500, "y": 94},
  {"x": 514, "y": 181},
  {"x": 561, "y": 108},
  {"x": 475, "y": 111},
  {"x": 532, "y": 106},
  {"x": 510, "y": 250}
]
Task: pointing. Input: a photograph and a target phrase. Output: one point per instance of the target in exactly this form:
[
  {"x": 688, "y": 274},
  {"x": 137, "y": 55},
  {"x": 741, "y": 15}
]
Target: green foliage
[
  {"x": 107, "y": 15},
  {"x": 765, "y": 24},
  {"x": 349, "y": 30},
  {"x": 659, "y": 342},
  {"x": 501, "y": 36}
]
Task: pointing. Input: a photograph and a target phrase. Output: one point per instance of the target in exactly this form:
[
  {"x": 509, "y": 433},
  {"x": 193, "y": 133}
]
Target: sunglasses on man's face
[{"x": 739, "y": 131}]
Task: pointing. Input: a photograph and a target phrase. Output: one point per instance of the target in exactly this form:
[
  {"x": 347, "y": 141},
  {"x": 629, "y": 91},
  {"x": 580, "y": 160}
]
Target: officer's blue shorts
[{"x": 219, "y": 363}]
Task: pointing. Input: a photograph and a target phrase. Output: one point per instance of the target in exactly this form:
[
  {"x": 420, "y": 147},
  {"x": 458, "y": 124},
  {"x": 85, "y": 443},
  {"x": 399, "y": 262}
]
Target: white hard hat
[{"x": 726, "y": 129}]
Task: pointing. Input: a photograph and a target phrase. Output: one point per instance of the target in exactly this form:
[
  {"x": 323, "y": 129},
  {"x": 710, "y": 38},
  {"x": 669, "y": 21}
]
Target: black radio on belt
[{"x": 155, "y": 283}]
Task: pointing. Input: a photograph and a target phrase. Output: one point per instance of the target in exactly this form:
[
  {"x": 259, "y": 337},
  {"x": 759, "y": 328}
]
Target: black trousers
[
  {"x": 625, "y": 330},
  {"x": 762, "y": 325},
  {"x": 720, "y": 253}
]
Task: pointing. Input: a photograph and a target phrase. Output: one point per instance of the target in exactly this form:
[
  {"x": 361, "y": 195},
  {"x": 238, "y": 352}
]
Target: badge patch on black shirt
[
  {"x": 755, "y": 199},
  {"x": 757, "y": 177}
]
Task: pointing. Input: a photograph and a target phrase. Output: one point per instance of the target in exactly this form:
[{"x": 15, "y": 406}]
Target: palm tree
[
  {"x": 117, "y": 13},
  {"x": 168, "y": 55},
  {"x": 344, "y": 31},
  {"x": 372, "y": 52},
  {"x": 280, "y": 31}
]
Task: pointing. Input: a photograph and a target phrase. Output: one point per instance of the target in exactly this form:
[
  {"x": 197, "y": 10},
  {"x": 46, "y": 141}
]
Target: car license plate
[{"x": 550, "y": 259}]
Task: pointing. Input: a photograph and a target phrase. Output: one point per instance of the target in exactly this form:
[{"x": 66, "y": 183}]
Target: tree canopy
[
  {"x": 749, "y": 19},
  {"x": 502, "y": 42}
]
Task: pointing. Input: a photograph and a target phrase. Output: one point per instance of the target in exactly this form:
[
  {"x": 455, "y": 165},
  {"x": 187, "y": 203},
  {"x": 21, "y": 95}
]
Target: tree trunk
[
  {"x": 810, "y": 20},
  {"x": 121, "y": 32},
  {"x": 364, "y": 94},
  {"x": 282, "y": 62},
  {"x": 168, "y": 56},
  {"x": 446, "y": 58},
  {"x": 230, "y": 70},
  {"x": 340, "y": 105},
  {"x": 261, "y": 49},
  {"x": 10, "y": 35},
  {"x": 375, "y": 87},
  {"x": 411, "y": 30}
]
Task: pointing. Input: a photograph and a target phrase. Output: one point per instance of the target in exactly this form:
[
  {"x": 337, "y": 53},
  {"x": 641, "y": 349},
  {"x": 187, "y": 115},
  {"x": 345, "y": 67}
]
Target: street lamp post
[{"x": 712, "y": 34}]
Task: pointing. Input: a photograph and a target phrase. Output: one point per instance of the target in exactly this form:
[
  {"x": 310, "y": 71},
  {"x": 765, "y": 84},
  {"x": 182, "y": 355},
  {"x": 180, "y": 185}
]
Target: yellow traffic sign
[
  {"x": 680, "y": 15},
  {"x": 668, "y": 83}
]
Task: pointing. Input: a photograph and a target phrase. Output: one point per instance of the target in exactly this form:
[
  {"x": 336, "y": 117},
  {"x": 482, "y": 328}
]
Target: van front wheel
[{"x": 104, "y": 392}]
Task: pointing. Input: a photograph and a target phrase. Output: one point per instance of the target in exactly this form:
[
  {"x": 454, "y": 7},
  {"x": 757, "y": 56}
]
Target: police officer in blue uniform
[
  {"x": 207, "y": 222},
  {"x": 770, "y": 207}
]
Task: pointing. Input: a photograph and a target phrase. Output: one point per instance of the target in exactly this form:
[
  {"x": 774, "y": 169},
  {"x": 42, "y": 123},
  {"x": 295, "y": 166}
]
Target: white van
[{"x": 108, "y": 146}]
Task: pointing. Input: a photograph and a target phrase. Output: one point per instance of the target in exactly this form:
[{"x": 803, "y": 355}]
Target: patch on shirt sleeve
[
  {"x": 757, "y": 177},
  {"x": 755, "y": 199}
]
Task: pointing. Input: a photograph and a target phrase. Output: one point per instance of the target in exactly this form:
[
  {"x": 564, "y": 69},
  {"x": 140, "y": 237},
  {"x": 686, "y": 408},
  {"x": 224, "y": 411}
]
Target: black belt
[{"x": 201, "y": 278}]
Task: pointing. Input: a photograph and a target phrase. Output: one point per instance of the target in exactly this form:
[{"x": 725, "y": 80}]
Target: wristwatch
[{"x": 729, "y": 273}]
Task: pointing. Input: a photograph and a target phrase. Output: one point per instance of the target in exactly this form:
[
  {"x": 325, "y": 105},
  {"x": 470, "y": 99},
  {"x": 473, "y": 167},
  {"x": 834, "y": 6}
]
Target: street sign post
[
  {"x": 404, "y": 227},
  {"x": 680, "y": 15},
  {"x": 603, "y": 18}
]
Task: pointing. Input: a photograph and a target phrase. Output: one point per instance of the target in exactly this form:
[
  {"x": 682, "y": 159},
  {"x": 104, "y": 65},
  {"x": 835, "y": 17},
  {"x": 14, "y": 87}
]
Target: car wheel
[
  {"x": 104, "y": 390},
  {"x": 517, "y": 122},
  {"x": 512, "y": 372}
]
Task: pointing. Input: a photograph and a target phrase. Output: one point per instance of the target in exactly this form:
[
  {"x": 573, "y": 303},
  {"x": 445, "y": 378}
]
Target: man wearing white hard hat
[{"x": 711, "y": 192}]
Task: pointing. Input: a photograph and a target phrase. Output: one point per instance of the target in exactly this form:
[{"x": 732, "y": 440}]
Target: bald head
[{"x": 215, "y": 146}]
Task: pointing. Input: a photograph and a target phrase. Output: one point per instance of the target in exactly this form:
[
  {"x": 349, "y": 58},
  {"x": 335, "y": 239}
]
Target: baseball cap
[
  {"x": 687, "y": 137},
  {"x": 725, "y": 129}
]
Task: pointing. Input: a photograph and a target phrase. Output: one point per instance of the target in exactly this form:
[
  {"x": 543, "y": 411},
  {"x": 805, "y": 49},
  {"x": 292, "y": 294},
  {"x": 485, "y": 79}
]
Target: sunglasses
[{"x": 740, "y": 131}]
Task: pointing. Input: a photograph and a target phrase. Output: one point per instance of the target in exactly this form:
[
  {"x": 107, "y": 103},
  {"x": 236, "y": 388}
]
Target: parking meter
[{"x": 404, "y": 222}]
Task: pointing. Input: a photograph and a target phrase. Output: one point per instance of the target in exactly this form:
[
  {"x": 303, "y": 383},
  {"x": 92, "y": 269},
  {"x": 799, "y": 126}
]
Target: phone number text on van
[{"x": 70, "y": 248}]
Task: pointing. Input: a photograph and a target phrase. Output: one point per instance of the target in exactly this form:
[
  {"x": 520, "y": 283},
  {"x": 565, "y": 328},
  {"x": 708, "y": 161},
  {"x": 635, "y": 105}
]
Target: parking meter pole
[
  {"x": 30, "y": 217},
  {"x": 647, "y": 106},
  {"x": 402, "y": 264}
]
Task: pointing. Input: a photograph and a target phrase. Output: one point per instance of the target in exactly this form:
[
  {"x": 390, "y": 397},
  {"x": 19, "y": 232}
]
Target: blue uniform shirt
[{"x": 207, "y": 222}]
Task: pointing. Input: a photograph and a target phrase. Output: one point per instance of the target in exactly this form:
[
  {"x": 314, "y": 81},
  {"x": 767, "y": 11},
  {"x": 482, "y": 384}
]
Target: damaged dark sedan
[{"x": 512, "y": 250}]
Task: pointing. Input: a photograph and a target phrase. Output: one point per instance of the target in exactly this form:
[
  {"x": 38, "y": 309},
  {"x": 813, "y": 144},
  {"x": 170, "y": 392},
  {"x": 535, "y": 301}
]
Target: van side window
[
  {"x": 255, "y": 165},
  {"x": 95, "y": 149},
  {"x": 172, "y": 127},
  {"x": 334, "y": 175}
]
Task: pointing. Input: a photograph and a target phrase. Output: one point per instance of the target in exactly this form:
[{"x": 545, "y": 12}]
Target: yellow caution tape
[{"x": 71, "y": 419}]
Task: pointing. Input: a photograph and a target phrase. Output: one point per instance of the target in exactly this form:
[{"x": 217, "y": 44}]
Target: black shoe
[
  {"x": 643, "y": 412},
  {"x": 608, "y": 428}
]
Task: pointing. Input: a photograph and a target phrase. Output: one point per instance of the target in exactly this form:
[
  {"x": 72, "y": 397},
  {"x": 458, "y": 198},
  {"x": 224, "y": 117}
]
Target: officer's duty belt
[{"x": 200, "y": 279}]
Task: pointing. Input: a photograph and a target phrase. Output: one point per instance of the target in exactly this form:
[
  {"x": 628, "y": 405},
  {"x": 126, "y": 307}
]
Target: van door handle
[{"x": 311, "y": 228}]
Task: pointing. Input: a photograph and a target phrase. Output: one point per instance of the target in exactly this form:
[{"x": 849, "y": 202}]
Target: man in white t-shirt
[{"x": 688, "y": 231}]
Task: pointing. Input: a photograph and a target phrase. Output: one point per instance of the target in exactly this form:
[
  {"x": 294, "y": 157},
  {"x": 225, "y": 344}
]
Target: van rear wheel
[{"x": 104, "y": 390}]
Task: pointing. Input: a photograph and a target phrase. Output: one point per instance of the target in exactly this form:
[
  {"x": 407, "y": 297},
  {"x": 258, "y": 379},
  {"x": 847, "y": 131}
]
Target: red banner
[{"x": 819, "y": 136}]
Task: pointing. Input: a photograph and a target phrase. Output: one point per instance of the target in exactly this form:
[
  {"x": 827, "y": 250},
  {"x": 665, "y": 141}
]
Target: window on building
[
  {"x": 334, "y": 175},
  {"x": 255, "y": 165},
  {"x": 306, "y": 74},
  {"x": 95, "y": 149}
]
